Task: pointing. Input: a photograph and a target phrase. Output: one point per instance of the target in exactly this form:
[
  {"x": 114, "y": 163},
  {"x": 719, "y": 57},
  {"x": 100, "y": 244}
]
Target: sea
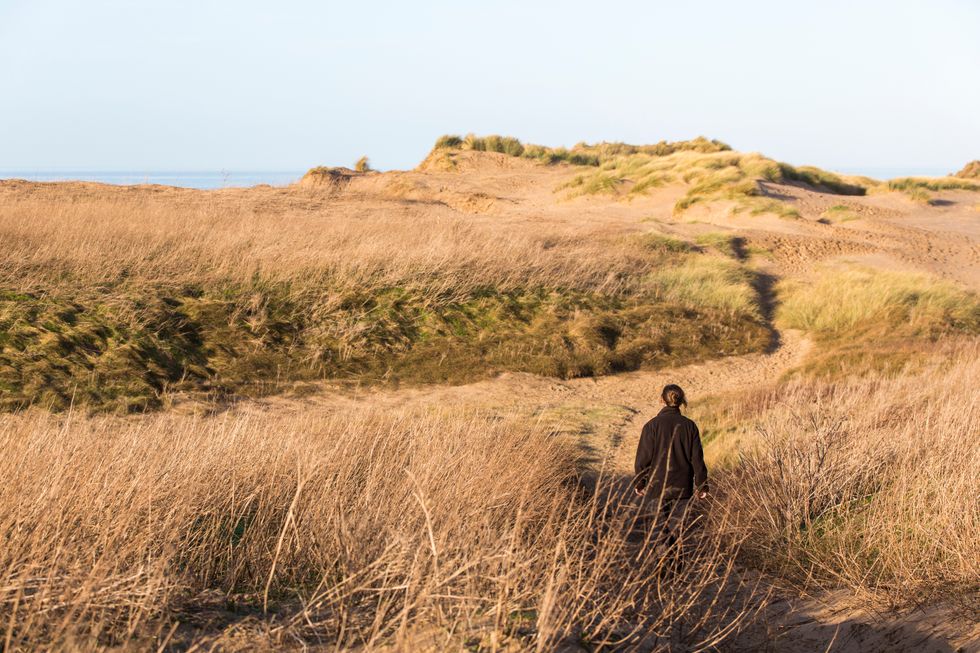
[{"x": 207, "y": 179}]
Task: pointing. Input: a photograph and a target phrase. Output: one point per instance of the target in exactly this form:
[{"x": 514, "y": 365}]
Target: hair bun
[{"x": 673, "y": 395}]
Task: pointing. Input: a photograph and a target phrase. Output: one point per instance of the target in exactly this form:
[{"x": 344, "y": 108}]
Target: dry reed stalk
[
  {"x": 391, "y": 528},
  {"x": 869, "y": 482}
]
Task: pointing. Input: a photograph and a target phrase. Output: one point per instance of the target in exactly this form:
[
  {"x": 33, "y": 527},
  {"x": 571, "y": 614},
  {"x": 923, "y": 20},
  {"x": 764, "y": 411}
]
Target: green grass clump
[
  {"x": 970, "y": 171},
  {"x": 448, "y": 141},
  {"x": 820, "y": 179},
  {"x": 911, "y": 184},
  {"x": 581, "y": 154},
  {"x": 127, "y": 353},
  {"x": 705, "y": 282},
  {"x": 764, "y": 205},
  {"x": 919, "y": 189},
  {"x": 919, "y": 195},
  {"x": 852, "y": 302},
  {"x": 666, "y": 244},
  {"x": 727, "y": 244},
  {"x": 593, "y": 184},
  {"x": 649, "y": 181},
  {"x": 838, "y": 213},
  {"x": 493, "y": 143},
  {"x": 551, "y": 155}
]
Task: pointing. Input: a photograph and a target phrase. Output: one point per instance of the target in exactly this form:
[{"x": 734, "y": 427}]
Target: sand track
[{"x": 606, "y": 415}]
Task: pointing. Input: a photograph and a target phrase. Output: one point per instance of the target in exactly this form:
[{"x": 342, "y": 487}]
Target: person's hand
[
  {"x": 703, "y": 495},
  {"x": 639, "y": 491}
]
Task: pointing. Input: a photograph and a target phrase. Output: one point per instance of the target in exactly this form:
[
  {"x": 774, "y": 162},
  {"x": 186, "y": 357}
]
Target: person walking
[{"x": 669, "y": 468}]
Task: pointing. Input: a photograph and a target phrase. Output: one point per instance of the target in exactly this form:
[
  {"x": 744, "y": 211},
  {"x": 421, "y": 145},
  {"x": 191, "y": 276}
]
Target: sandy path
[{"x": 606, "y": 415}]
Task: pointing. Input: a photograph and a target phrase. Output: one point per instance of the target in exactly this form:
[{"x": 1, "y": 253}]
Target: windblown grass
[
  {"x": 909, "y": 184},
  {"x": 114, "y": 298},
  {"x": 970, "y": 171},
  {"x": 582, "y": 154},
  {"x": 725, "y": 243},
  {"x": 867, "y": 483},
  {"x": 357, "y": 529},
  {"x": 664, "y": 243},
  {"x": 875, "y": 321},
  {"x": 706, "y": 281},
  {"x": 852, "y": 302},
  {"x": 920, "y": 189},
  {"x": 710, "y": 175},
  {"x": 838, "y": 213}
]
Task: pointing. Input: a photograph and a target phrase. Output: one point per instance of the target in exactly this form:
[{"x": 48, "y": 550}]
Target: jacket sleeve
[
  {"x": 644, "y": 456},
  {"x": 697, "y": 463}
]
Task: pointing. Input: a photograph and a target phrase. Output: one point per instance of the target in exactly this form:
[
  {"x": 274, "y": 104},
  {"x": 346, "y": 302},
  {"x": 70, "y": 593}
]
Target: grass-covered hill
[
  {"x": 970, "y": 171},
  {"x": 117, "y": 298}
]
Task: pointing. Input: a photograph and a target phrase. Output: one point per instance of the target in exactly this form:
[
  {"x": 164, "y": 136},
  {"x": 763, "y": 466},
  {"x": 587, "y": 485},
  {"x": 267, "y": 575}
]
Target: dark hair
[{"x": 673, "y": 395}]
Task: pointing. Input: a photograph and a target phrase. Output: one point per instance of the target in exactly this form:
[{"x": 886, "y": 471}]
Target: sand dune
[{"x": 795, "y": 232}]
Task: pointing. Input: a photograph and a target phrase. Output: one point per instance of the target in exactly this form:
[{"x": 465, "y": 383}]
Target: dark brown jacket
[{"x": 669, "y": 457}]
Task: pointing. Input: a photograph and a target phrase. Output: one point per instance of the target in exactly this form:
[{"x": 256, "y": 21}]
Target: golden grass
[
  {"x": 120, "y": 237},
  {"x": 710, "y": 175},
  {"x": 846, "y": 302},
  {"x": 707, "y": 281},
  {"x": 911, "y": 184},
  {"x": 867, "y": 482},
  {"x": 970, "y": 171},
  {"x": 357, "y": 529},
  {"x": 583, "y": 154},
  {"x": 723, "y": 242},
  {"x": 117, "y": 297},
  {"x": 838, "y": 213}
]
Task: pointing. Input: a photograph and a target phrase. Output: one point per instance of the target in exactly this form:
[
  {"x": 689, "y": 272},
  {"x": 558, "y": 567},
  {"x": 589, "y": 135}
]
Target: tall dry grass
[
  {"x": 355, "y": 529},
  {"x": 845, "y": 303},
  {"x": 867, "y": 482},
  {"x": 710, "y": 174},
  {"x": 121, "y": 297},
  {"x": 56, "y": 238}
]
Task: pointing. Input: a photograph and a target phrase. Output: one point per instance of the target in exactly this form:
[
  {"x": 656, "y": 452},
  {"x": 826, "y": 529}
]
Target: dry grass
[
  {"x": 838, "y": 213},
  {"x": 725, "y": 243},
  {"x": 868, "y": 482},
  {"x": 710, "y": 175},
  {"x": 708, "y": 281},
  {"x": 62, "y": 237},
  {"x": 118, "y": 297},
  {"x": 879, "y": 321},
  {"x": 970, "y": 171},
  {"x": 422, "y": 530},
  {"x": 911, "y": 184},
  {"x": 582, "y": 154},
  {"x": 849, "y": 302}
]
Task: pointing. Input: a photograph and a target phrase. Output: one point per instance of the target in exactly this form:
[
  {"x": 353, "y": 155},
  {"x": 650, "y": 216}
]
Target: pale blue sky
[{"x": 208, "y": 84}]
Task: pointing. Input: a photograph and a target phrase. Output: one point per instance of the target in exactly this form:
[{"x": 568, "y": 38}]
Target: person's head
[{"x": 673, "y": 396}]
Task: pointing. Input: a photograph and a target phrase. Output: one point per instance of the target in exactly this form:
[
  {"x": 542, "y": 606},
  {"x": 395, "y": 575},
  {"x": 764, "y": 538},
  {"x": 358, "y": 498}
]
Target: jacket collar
[{"x": 670, "y": 409}]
